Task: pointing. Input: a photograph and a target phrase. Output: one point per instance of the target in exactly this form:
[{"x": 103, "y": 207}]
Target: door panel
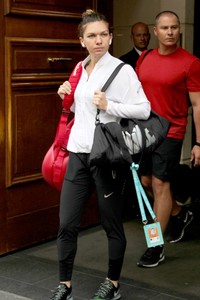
[
  {"x": 42, "y": 58},
  {"x": 35, "y": 68}
]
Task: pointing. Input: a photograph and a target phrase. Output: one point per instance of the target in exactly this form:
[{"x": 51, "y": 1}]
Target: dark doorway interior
[
  {"x": 196, "y": 171},
  {"x": 197, "y": 28}
]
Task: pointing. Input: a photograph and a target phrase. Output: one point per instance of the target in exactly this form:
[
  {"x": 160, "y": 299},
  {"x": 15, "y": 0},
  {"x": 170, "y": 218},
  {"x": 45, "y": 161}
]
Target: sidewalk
[
  {"x": 32, "y": 273},
  {"x": 9, "y": 296}
]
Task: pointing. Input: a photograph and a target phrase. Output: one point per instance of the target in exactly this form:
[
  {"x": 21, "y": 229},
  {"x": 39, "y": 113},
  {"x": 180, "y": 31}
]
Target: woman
[{"x": 123, "y": 98}]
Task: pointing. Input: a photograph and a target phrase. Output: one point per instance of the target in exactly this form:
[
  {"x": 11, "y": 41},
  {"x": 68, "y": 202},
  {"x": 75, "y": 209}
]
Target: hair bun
[{"x": 88, "y": 12}]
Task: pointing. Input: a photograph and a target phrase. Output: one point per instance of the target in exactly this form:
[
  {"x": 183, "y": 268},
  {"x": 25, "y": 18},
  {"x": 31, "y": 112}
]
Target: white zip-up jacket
[{"x": 125, "y": 95}]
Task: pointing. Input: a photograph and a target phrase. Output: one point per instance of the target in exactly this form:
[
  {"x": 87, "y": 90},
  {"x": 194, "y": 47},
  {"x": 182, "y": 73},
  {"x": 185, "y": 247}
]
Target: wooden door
[{"x": 40, "y": 49}]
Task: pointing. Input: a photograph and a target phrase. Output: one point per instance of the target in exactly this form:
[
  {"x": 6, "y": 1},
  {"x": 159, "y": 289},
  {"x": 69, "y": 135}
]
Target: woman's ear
[
  {"x": 82, "y": 43},
  {"x": 111, "y": 37}
]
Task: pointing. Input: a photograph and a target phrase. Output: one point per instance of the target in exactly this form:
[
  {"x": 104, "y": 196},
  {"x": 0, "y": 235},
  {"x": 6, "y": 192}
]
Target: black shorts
[{"x": 163, "y": 161}]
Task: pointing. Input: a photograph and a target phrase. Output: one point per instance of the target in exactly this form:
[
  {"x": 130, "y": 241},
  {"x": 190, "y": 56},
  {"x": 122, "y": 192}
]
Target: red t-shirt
[{"x": 166, "y": 80}]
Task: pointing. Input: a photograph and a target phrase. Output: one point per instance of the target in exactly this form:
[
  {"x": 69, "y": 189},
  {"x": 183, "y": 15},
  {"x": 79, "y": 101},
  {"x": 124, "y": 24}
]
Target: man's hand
[{"x": 195, "y": 156}]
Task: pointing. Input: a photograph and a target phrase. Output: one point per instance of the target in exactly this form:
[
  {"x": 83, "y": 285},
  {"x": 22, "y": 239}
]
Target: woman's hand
[
  {"x": 64, "y": 88},
  {"x": 99, "y": 99}
]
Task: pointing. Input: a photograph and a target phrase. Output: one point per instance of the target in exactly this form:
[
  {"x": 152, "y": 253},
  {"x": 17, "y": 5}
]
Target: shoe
[
  {"x": 152, "y": 257},
  {"x": 107, "y": 291},
  {"x": 62, "y": 292},
  {"x": 184, "y": 203},
  {"x": 178, "y": 225}
]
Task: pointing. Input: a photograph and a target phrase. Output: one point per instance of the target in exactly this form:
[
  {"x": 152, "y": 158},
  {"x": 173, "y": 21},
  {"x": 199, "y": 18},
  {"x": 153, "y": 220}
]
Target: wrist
[{"x": 197, "y": 144}]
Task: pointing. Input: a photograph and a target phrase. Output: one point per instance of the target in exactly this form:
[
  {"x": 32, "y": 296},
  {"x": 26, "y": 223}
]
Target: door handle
[{"x": 55, "y": 59}]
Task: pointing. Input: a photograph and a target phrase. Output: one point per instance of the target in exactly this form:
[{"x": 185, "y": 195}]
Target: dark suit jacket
[{"x": 130, "y": 58}]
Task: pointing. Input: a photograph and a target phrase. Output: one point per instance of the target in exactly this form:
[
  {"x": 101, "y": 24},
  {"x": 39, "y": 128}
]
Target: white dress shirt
[
  {"x": 126, "y": 99},
  {"x": 138, "y": 51}
]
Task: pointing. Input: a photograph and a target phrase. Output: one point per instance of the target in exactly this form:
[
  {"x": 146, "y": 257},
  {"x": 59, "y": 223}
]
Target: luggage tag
[{"x": 153, "y": 234}]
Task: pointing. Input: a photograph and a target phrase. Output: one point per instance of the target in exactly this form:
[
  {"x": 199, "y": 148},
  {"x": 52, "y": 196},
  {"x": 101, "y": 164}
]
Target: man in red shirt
[{"x": 170, "y": 77}]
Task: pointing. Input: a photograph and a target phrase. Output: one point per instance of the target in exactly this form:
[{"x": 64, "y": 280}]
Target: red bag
[{"x": 55, "y": 161}]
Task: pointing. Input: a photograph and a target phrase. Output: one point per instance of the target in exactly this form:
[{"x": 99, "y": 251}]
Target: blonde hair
[{"x": 90, "y": 16}]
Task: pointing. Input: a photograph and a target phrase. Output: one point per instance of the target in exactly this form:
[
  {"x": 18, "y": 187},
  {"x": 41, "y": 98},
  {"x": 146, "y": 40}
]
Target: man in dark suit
[{"x": 140, "y": 36}]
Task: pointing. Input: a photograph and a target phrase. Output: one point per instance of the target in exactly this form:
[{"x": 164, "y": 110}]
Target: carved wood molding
[{"x": 49, "y": 8}]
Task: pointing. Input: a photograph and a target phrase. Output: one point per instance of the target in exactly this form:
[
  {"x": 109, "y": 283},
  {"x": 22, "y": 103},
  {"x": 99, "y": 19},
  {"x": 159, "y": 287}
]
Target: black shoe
[
  {"x": 178, "y": 225},
  {"x": 107, "y": 291},
  {"x": 152, "y": 257},
  {"x": 62, "y": 292}
]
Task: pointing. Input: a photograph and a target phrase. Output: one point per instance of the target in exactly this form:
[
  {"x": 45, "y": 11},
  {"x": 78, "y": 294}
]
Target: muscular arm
[{"x": 195, "y": 101}]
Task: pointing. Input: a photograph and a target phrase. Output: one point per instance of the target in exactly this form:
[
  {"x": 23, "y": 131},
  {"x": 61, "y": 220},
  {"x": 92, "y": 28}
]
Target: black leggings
[{"x": 76, "y": 189}]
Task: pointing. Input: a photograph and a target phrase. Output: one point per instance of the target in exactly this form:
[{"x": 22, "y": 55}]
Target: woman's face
[{"x": 96, "y": 38}]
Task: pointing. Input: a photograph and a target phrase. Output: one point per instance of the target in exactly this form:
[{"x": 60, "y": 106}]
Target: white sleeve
[{"x": 126, "y": 98}]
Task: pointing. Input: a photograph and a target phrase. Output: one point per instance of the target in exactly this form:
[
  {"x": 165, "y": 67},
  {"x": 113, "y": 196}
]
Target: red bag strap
[
  {"x": 60, "y": 133},
  {"x": 61, "y": 141},
  {"x": 64, "y": 128},
  {"x": 67, "y": 102},
  {"x": 73, "y": 79},
  {"x": 61, "y": 155},
  {"x": 141, "y": 58}
]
